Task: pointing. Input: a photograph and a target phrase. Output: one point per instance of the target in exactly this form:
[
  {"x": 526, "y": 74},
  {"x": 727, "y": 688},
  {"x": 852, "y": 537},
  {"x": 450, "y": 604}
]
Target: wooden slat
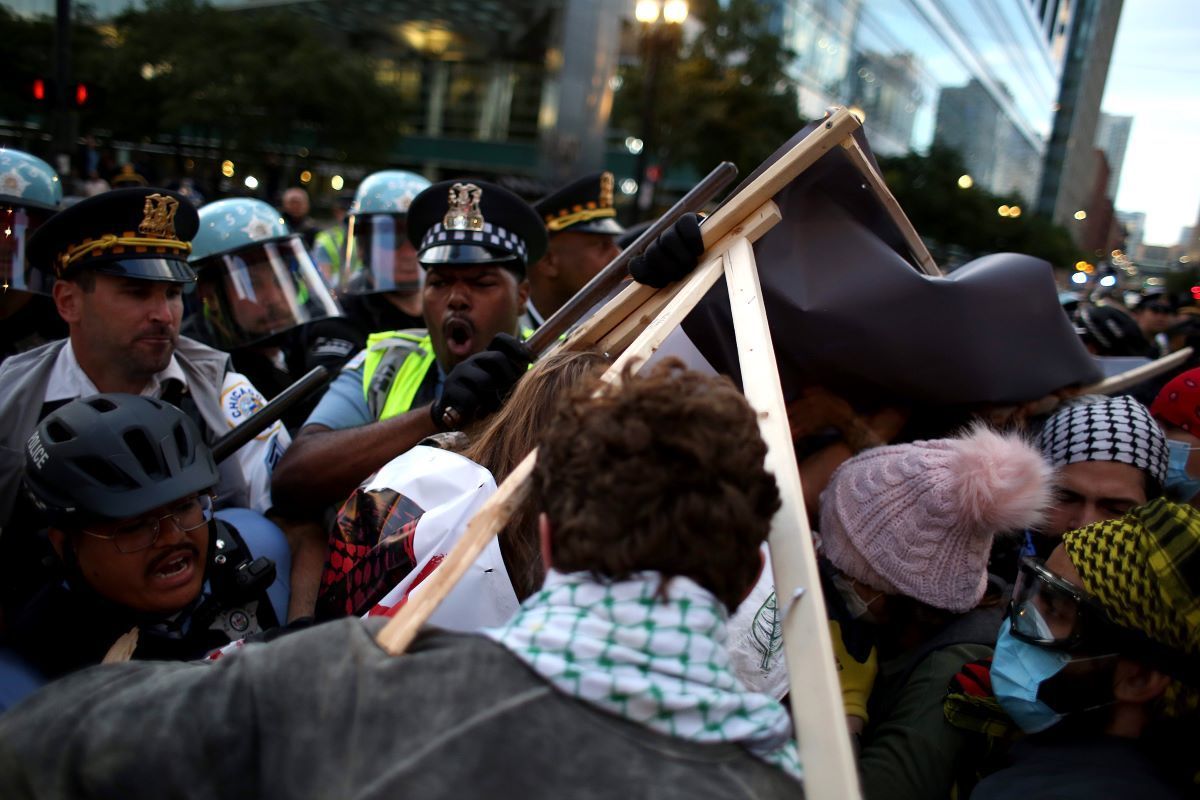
[
  {"x": 816, "y": 698},
  {"x": 875, "y": 181}
]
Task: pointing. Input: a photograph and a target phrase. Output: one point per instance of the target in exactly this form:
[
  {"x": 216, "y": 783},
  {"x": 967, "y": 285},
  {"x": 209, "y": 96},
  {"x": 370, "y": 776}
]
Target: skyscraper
[{"x": 1112, "y": 136}]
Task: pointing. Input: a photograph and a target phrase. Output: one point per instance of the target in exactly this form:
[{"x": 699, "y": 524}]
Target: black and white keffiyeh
[{"x": 1109, "y": 429}]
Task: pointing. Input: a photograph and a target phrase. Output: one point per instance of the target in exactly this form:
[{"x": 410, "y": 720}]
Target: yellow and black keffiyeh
[{"x": 1144, "y": 569}]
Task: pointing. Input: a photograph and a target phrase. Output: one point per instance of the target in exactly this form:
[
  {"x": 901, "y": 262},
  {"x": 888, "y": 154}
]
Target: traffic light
[
  {"x": 81, "y": 94},
  {"x": 39, "y": 89}
]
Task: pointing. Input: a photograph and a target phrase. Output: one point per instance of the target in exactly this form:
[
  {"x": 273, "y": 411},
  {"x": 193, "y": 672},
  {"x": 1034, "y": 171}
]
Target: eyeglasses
[{"x": 130, "y": 536}]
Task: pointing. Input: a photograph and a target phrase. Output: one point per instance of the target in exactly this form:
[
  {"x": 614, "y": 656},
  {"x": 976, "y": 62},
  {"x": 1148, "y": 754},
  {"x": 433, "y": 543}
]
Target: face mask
[
  {"x": 1180, "y": 486},
  {"x": 1018, "y": 671},
  {"x": 856, "y": 607}
]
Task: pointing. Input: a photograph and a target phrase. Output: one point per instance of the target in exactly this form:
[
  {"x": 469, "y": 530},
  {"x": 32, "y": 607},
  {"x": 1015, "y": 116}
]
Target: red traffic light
[
  {"x": 39, "y": 89},
  {"x": 81, "y": 94}
]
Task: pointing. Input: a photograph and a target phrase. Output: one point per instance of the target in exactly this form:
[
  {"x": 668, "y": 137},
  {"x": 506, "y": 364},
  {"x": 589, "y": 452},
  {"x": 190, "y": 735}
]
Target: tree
[
  {"x": 250, "y": 79},
  {"x": 726, "y": 98},
  {"x": 967, "y": 219}
]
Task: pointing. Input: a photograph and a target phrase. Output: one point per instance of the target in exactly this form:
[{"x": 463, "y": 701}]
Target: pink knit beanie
[{"x": 918, "y": 519}]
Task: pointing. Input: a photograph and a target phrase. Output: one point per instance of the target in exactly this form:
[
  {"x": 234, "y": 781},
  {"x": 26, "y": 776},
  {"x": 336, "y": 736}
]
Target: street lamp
[{"x": 661, "y": 21}]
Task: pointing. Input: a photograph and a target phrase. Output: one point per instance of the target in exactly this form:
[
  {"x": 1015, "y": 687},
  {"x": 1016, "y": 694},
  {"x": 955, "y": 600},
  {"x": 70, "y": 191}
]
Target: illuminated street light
[
  {"x": 1014, "y": 211},
  {"x": 675, "y": 11},
  {"x": 227, "y": 168},
  {"x": 629, "y": 186},
  {"x": 305, "y": 177},
  {"x": 1079, "y": 277},
  {"x": 965, "y": 181},
  {"x": 1108, "y": 280},
  {"x": 1081, "y": 214},
  {"x": 1080, "y": 266},
  {"x": 336, "y": 183},
  {"x": 646, "y": 11},
  {"x": 633, "y": 144},
  {"x": 251, "y": 182},
  {"x": 1002, "y": 211}
]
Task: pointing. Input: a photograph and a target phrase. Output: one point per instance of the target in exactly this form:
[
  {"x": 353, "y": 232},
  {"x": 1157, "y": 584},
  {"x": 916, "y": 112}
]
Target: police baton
[
  {"x": 269, "y": 414},
  {"x": 609, "y": 278}
]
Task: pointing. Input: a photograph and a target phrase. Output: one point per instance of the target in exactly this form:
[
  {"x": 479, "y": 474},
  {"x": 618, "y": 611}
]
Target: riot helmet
[
  {"x": 113, "y": 457},
  {"x": 379, "y": 257},
  {"x": 30, "y": 193},
  {"x": 254, "y": 277}
]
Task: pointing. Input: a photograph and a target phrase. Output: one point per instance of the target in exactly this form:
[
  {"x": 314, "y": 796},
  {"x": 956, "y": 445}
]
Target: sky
[{"x": 1155, "y": 77}]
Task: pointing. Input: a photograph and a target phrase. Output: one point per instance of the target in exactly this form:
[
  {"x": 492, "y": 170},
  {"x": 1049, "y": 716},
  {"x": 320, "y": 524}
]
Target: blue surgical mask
[
  {"x": 1180, "y": 486},
  {"x": 1018, "y": 671}
]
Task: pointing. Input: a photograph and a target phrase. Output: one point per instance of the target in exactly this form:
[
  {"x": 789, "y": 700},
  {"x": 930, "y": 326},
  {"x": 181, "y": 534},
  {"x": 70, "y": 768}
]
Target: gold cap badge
[
  {"x": 463, "y": 214},
  {"x": 158, "y": 217}
]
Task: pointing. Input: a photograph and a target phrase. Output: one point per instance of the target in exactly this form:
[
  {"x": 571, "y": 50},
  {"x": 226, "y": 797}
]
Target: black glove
[
  {"x": 672, "y": 256},
  {"x": 477, "y": 386}
]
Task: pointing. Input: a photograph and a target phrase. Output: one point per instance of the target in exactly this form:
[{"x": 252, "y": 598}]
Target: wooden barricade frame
[{"x": 631, "y": 327}]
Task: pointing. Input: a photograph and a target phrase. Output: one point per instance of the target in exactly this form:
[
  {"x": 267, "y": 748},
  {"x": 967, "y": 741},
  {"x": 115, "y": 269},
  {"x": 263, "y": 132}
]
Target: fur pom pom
[{"x": 1003, "y": 482}]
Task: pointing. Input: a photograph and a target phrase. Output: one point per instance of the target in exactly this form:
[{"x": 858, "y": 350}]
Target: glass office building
[{"x": 981, "y": 76}]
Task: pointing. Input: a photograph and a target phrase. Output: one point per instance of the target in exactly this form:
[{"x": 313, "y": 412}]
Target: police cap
[
  {"x": 134, "y": 233},
  {"x": 583, "y": 206},
  {"x": 475, "y": 222}
]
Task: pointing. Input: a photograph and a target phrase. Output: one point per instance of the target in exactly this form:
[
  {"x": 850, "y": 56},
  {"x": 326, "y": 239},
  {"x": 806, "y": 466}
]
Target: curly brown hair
[{"x": 663, "y": 472}]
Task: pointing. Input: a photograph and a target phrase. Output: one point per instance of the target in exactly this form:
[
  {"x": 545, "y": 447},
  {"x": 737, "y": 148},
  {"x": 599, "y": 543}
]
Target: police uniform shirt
[
  {"x": 345, "y": 406},
  {"x": 239, "y": 399}
]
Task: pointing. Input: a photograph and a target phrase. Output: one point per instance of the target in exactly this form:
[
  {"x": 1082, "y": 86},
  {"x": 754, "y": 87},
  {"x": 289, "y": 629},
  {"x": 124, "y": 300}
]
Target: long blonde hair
[{"x": 510, "y": 434}]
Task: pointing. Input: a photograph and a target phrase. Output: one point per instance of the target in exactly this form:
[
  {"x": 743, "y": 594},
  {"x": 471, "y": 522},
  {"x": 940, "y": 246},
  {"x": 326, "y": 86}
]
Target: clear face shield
[
  {"x": 245, "y": 297},
  {"x": 17, "y": 224},
  {"x": 379, "y": 256}
]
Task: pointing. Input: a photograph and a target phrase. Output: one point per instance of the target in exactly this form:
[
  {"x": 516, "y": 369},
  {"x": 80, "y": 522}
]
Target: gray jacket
[
  {"x": 325, "y": 713},
  {"x": 23, "y": 381}
]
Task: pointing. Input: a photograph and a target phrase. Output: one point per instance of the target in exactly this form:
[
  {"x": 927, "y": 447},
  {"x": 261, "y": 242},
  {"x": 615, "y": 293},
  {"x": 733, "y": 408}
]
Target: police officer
[
  {"x": 121, "y": 262},
  {"x": 380, "y": 286},
  {"x": 474, "y": 240},
  {"x": 30, "y": 193},
  {"x": 260, "y": 297},
  {"x": 583, "y": 228},
  {"x": 125, "y": 482},
  {"x": 329, "y": 246}
]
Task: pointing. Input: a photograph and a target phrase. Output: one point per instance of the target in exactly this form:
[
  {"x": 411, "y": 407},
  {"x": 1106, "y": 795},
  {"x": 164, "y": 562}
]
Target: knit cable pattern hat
[
  {"x": 1108, "y": 429},
  {"x": 1144, "y": 569},
  {"x": 918, "y": 519}
]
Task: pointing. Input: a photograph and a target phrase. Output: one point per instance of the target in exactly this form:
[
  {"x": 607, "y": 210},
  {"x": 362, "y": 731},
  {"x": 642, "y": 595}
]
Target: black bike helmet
[
  {"x": 115, "y": 456},
  {"x": 1111, "y": 332}
]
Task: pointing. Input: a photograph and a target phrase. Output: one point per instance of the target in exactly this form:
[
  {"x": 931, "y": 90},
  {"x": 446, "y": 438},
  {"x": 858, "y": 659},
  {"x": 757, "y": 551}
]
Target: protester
[
  {"x": 1099, "y": 662},
  {"x": 612, "y": 681},
  {"x": 398, "y": 526},
  {"x": 905, "y": 535},
  {"x": 474, "y": 240},
  {"x": 1177, "y": 410},
  {"x": 120, "y": 260},
  {"x": 1109, "y": 456},
  {"x": 126, "y": 483},
  {"x": 583, "y": 227}
]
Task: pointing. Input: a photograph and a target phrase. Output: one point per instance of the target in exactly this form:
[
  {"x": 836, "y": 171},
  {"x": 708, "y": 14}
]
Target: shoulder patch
[{"x": 240, "y": 401}]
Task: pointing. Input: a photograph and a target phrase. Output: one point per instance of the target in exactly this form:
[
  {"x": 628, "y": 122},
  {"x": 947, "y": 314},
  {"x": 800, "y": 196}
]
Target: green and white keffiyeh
[{"x": 654, "y": 656}]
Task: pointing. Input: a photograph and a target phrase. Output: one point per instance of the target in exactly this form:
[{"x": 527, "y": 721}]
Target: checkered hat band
[
  {"x": 1113, "y": 429},
  {"x": 1144, "y": 569},
  {"x": 490, "y": 236}
]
